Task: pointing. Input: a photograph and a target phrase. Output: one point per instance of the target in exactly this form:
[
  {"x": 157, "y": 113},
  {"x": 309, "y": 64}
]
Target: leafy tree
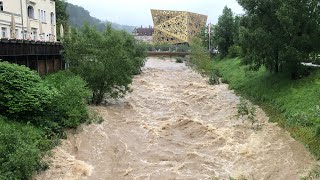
[
  {"x": 22, "y": 92},
  {"x": 105, "y": 60},
  {"x": 279, "y": 34},
  {"x": 61, "y": 15},
  {"x": 224, "y": 31},
  {"x": 200, "y": 59}
]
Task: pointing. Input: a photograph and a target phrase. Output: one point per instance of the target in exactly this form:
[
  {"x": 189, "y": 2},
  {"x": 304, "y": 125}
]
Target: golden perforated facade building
[{"x": 175, "y": 27}]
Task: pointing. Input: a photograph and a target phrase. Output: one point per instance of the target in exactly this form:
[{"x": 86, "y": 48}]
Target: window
[
  {"x": 4, "y": 32},
  {"x": 44, "y": 16},
  {"x": 30, "y": 12},
  {"x": 17, "y": 33},
  {"x": 24, "y": 34},
  {"x": 35, "y": 34},
  {"x": 52, "y": 18},
  {"x": 1, "y": 6},
  {"x": 41, "y": 16}
]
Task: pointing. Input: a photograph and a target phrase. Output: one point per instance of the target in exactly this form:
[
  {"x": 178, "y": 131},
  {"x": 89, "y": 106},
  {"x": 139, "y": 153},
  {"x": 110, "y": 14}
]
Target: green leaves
[
  {"x": 224, "y": 31},
  {"x": 22, "y": 92},
  {"x": 106, "y": 61},
  {"x": 279, "y": 34},
  {"x": 69, "y": 104},
  {"x": 20, "y": 150}
]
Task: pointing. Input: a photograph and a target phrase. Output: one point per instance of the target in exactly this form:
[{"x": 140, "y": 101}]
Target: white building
[{"x": 28, "y": 19}]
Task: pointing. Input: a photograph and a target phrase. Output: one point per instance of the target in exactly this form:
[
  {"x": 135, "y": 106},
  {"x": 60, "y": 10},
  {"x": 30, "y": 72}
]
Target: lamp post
[
  {"x": 22, "y": 21},
  {"x": 209, "y": 33}
]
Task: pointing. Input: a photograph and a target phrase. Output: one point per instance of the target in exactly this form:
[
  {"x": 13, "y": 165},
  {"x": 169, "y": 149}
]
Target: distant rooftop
[{"x": 142, "y": 31}]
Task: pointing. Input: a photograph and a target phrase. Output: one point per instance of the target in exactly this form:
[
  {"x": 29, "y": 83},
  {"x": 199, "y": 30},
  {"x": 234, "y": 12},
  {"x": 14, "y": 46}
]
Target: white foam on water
[{"x": 176, "y": 126}]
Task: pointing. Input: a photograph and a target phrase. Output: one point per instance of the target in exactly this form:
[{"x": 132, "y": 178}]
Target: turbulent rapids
[{"x": 176, "y": 126}]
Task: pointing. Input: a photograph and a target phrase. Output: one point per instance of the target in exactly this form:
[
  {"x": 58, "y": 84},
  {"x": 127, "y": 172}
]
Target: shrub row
[{"x": 33, "y": 113}]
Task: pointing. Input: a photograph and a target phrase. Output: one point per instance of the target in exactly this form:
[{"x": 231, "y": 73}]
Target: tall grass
[{"x": 294, "y": 104}]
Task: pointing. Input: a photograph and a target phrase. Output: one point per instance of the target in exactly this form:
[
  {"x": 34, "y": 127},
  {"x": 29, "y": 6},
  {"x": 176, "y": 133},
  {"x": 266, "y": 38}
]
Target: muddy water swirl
[{"x": 176, "y": 126}]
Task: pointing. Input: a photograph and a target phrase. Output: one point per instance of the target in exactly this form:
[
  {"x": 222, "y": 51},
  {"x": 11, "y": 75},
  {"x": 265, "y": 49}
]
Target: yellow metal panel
[{"x": 175, "y": 27}]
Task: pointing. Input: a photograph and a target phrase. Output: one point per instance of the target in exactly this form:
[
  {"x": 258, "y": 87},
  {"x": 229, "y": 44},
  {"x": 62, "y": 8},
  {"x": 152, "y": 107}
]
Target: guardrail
[{"x": 167, "y": 54}]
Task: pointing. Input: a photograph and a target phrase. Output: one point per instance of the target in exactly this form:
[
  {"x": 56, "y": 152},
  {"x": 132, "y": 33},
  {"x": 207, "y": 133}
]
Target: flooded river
[{"x": 176, "y": 126}]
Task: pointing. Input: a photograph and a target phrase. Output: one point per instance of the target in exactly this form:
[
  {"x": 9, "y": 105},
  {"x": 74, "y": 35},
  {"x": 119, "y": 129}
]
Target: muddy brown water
[{"x": 176, "y": 126}]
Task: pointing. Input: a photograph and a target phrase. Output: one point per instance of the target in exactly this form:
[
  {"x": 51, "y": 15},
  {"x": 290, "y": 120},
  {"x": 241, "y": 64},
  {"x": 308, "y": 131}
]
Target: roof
[{"x": 144, "y": 31}]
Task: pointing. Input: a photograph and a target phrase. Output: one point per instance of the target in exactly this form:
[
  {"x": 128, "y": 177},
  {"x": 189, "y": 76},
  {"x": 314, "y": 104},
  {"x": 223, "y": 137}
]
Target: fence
[{"x": 43, "y": 57}]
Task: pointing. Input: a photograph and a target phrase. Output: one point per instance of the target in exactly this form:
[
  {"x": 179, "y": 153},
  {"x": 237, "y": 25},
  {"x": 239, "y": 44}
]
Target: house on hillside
[
  {"x": 28, "y": 20},
  {"x": 143, "y": 34}
]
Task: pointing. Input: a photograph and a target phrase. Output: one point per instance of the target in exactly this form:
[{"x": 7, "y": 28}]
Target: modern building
[
  {"x": 176, "y": 27},
  {"x": 143, "y": 34},
  {"x": 28, "y": 19}
]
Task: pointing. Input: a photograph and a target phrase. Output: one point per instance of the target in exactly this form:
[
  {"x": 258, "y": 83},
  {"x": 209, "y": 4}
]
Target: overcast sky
[{"x": 137, "y": 12}]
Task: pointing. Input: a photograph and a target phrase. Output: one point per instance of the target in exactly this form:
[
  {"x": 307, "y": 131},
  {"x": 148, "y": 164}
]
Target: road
[{"x": 176, "y": 126}]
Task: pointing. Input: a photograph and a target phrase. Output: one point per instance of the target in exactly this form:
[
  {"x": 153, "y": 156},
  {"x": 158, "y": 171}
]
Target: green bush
[
  {"x": 183, "y": 48},
  {"x": 234, "y": 51},
  {"x": 106, "y": 61},
  {"x": 69, "y": 104},
  {"x": 23, "y": 95},
  {"x": 21, "y": 150},
  {"x": 200, "y": 58},
  {"x": 179, "y": 60},
  {"x": 162, "y": 47},
  {"x": 214, "y": 77}
]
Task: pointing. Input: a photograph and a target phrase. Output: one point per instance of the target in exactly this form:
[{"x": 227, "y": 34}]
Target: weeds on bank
[
  {"x": 214, "y": 78},
  {"x": 94, "y": 117},
  {"x": 179, "y": 60},
  {"x": 246, "y": 111},
  {"x": 294, "y": 105},
  {"x": 314, "y": 174}
]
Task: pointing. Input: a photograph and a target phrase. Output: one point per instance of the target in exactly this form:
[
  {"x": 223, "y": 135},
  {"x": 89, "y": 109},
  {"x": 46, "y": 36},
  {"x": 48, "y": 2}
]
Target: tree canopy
[
  {"x": 107, "y": 61},
  {"x": 279, "y": 34},
  {"x": 224, "y": 31}
]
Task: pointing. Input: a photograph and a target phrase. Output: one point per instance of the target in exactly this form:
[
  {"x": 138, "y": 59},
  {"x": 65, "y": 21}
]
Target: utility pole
[
  {"x": 22, "y": 19},
  {"x": 209, "y": 34}
]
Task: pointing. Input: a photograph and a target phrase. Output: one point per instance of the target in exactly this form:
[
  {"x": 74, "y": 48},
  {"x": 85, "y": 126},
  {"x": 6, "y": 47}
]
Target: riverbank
[{"x": 294, "y": 105}]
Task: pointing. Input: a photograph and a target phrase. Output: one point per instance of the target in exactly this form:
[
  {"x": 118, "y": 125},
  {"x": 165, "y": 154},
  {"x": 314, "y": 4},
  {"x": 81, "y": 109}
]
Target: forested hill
[{"x": 78, "y": 15}]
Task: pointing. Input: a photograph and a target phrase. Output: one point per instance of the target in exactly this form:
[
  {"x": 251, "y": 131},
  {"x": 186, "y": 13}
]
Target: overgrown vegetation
[
  {"x": 200, "y": 59},
  {"x": 179, "y": 60},
  {"x": 21, "y": 149},
  {"x": 33, "y": 114},
  {"x": 293, "y": 104},
  {"x": 69, "y": 104},
  {"x": 214, "y": 77},
  {"x": 313, "y": 174},
  {"x": 106, "y": 61},
  {"x": 23, "y": 94},
  {"x": 247, "y": 111}
]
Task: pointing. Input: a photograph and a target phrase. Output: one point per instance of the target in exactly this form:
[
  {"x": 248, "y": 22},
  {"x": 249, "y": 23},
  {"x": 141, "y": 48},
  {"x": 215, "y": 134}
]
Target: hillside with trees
[{"x": 78, "y": 16}]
